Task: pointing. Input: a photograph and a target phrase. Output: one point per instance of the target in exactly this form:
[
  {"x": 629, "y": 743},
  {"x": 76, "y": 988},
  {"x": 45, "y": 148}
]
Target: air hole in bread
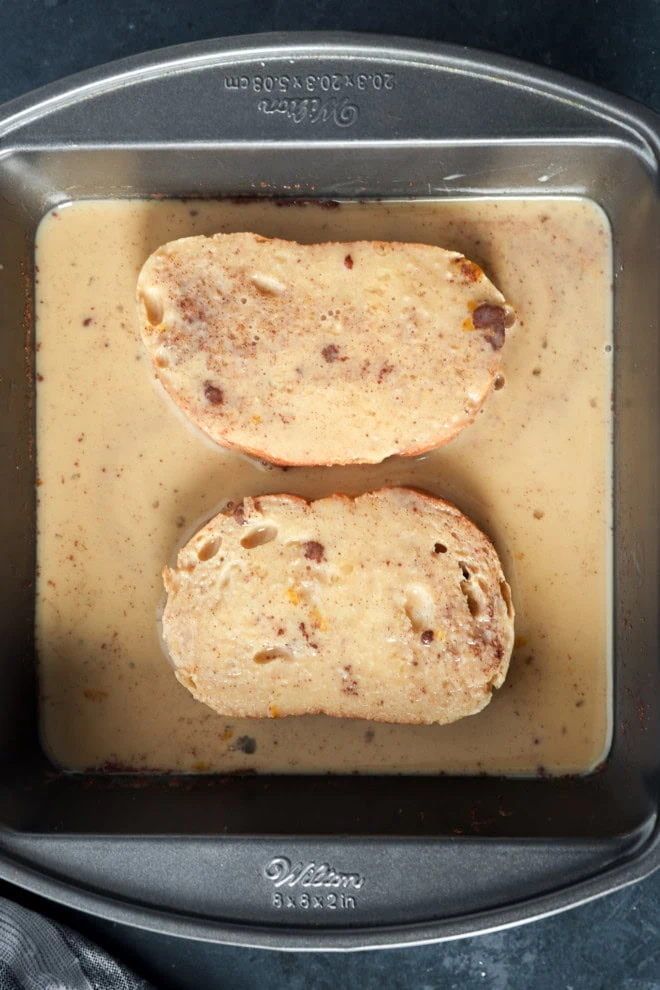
[
  {"x": 161, "y": 360},
  {"x": 271, "y": 653},
  {"x": 505, "y": 591},
  {"x": 464, "y": 568},
  {"x": 473, "y": 602},
  {"x": 209, "y": 548},
  {"x": 259, "y": 536},
  {"x": 153, "y": 306},
  {"x": 439, "y": 548},
  {"x": 419, "y": 608}
]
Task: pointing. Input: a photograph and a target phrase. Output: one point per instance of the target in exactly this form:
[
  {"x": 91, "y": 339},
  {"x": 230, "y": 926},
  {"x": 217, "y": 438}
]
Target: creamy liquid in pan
[{"x": 124, "y": 480}]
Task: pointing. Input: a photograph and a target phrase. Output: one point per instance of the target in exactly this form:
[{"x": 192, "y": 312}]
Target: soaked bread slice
[
  {"x": 322, "y": 353},
  {"x": 391, "y": 606}
]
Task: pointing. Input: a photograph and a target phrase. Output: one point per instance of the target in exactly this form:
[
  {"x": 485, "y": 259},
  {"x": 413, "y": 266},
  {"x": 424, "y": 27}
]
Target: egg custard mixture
[{"x": 124, "y": 480}]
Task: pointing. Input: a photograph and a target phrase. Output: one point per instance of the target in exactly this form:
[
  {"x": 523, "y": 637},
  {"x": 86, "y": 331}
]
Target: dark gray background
[{"x": 613, "y": 943}]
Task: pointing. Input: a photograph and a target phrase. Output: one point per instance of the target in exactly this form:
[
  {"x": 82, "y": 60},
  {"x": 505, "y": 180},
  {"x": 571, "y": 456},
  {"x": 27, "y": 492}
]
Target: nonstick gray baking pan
[{"x": 345, "y": 861}]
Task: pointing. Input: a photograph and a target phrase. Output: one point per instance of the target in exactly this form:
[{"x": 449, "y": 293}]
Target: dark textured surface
[{"x": 613, "y": 943}]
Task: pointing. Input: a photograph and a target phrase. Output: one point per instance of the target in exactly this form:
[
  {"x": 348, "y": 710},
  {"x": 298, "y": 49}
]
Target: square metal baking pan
[{"x": 334, "y": 862}]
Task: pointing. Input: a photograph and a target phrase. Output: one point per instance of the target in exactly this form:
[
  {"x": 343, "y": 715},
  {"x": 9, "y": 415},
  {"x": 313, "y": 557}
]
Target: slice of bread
[
  {"x": 322, "y": 353},
  {"x": 391, "y": 606}
]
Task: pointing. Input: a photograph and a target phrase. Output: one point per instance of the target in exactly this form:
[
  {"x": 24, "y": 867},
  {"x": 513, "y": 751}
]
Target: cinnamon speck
[
  {"x": 246, "y": 744},
  {"x": 469, "y": 271},
  {"x": 350, "y": 684},
  {"x": 386, "y": 369},
  {"x": 94, "y": 694}
]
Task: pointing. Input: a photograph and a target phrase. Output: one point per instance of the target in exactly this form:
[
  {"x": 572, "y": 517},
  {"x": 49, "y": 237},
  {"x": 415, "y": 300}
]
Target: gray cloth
[{"x": 38, "y": 954}]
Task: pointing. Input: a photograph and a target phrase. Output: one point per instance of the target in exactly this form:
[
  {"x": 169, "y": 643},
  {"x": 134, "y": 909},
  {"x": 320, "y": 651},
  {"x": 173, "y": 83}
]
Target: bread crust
[
  {"x": 391, "y": 606},
  {"x": 285, "y": 352}
]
